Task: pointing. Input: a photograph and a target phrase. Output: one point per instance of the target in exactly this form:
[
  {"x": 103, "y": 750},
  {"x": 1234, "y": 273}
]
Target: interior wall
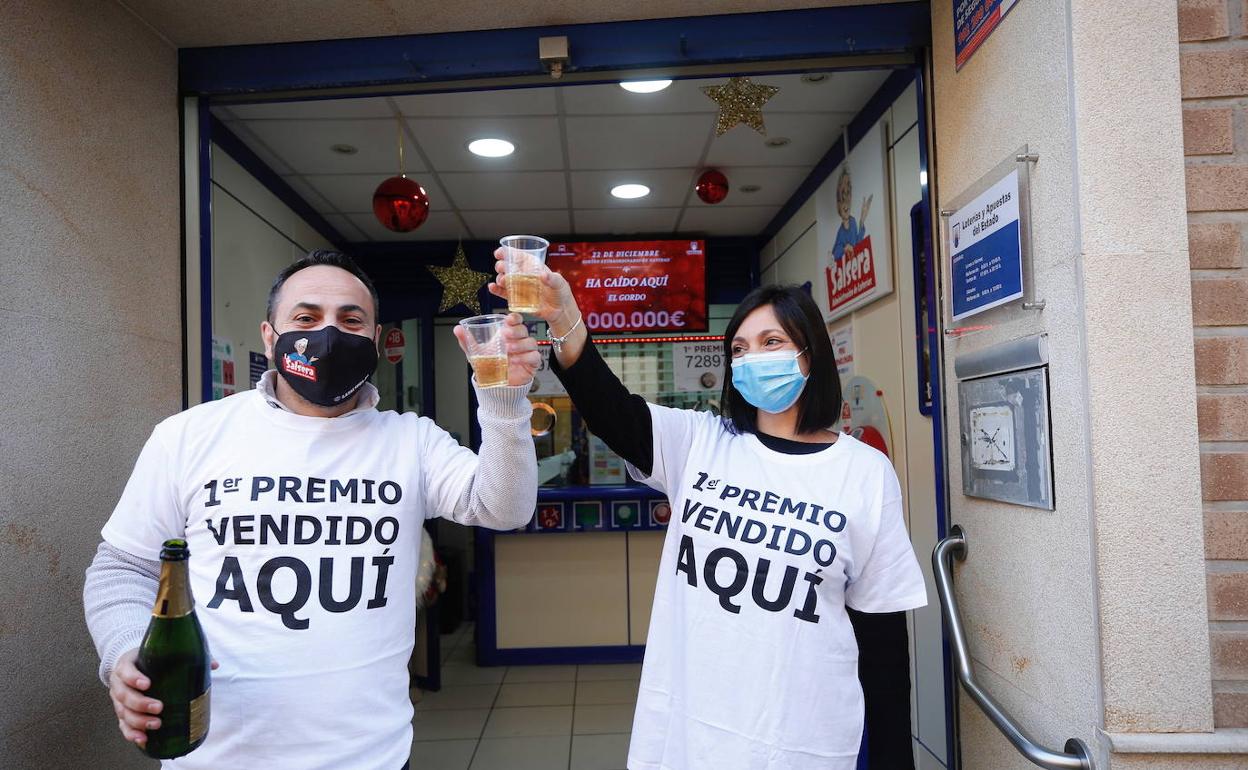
[
  {"x": 883, "y": 336},
  {"x": 915, "y": 439},
  {"x": 89, "y": 209},
  {"x": 254, "y": 236}
]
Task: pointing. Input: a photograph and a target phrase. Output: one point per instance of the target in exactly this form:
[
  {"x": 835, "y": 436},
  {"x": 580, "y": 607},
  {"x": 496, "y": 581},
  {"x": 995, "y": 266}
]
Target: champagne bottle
[{"x": 174, "y": 656}]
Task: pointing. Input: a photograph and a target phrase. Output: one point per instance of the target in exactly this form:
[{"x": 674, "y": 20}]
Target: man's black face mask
[{"x": 326, "y": 366}]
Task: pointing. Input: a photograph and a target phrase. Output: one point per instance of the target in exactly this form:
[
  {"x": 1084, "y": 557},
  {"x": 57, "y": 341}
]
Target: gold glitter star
[
  {"x": 460, "y": 283},
  {"x": 740, "y": 102}
]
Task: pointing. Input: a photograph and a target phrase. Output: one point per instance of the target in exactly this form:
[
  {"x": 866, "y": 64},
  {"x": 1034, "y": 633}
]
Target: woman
[{"x": 779, "y": 523}]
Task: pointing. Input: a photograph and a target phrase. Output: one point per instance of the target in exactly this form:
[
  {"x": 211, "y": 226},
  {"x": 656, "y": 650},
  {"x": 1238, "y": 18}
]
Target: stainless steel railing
[{"x": 1076, "y": 755}]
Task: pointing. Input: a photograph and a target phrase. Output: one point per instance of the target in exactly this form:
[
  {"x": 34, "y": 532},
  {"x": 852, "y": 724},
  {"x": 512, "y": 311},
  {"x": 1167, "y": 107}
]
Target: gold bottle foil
[{"x": 173, "y": 598}]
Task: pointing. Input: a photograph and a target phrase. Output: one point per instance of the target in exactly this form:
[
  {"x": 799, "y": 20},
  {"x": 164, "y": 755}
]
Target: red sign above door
[{"x": 638, "y": 286}]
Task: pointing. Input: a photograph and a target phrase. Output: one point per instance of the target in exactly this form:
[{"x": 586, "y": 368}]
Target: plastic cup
[
  {"x": 525, "y": 257},
  {"x": 486, "y": 349}
]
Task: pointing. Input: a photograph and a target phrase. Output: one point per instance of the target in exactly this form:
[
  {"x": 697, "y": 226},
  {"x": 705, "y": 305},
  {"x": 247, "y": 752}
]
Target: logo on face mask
[{"x": 297, "y": 363}]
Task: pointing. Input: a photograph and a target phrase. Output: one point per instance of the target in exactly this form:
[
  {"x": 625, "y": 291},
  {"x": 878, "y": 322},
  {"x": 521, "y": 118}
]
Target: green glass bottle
[{"x": 174, "y": 656}]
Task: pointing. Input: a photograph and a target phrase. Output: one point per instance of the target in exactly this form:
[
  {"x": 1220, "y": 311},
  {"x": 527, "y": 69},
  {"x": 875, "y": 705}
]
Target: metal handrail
[{"x": 1076, "y": 756}]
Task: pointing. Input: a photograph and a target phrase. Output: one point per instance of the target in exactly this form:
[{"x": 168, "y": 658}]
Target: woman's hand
[{"x": 556, "y": 305}]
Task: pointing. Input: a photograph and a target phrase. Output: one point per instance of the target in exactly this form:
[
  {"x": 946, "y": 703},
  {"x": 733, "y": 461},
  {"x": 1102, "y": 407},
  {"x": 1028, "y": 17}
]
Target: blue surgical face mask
[{"x": 770, "y": 381}]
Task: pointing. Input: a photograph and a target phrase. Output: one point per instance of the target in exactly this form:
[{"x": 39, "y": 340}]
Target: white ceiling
[{"x": 573, "y": 143}]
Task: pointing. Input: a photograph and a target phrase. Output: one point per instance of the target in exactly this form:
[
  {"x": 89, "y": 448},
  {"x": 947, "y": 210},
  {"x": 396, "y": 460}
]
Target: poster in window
[{"x": 855, "y": 247}]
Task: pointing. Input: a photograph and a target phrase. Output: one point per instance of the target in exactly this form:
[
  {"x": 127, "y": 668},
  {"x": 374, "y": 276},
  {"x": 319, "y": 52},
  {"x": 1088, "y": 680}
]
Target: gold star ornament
[
  {"x": 460, "y": 283},
  {"x": 740, "y": 101}
]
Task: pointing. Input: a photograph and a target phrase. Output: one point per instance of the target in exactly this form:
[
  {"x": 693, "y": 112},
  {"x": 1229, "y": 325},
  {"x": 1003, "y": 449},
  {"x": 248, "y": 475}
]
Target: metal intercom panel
[{"x": 1006, "y": 449}]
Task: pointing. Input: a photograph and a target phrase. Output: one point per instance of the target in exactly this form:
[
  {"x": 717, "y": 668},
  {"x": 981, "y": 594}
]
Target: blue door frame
[
  {"x": 453, "y": 61},
  {"x": 387, "y": 64}
]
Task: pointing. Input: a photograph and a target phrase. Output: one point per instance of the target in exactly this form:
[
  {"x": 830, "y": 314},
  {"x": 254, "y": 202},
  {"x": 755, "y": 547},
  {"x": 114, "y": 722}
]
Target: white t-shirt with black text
[
  {"x": 304, "y": 536},
  {"x": 751, "y": 662}
]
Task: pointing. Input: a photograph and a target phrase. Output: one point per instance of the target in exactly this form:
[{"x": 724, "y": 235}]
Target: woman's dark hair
[{"x": 819, "y": 406}]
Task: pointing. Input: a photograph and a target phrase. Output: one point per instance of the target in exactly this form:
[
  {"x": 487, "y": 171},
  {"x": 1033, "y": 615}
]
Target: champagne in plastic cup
[
  {"x": 490, "y": 370},
  {"x": 525, "y": 257},
  {"x": 486, "y": 349},
  {"x": 524, "y": 292}
]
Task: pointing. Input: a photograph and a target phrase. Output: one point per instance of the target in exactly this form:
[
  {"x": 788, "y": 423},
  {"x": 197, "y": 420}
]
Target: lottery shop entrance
[{"x": 737, "y": 196}]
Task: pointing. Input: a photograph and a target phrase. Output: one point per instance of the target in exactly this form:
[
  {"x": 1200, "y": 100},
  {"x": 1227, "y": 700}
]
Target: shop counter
[{"x": 576, "y": 584}]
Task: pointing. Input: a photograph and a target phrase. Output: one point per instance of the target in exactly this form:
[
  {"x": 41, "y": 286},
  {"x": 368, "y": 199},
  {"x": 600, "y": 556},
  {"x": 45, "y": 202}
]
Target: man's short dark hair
[
  {"x": 327, "y": 257},
  {"x": 819, "y": 406}
]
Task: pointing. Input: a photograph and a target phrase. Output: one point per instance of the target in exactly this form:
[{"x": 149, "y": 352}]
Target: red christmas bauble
[
  {"x": 712, "y": 186},
  {"x": 400, "y": 204}
]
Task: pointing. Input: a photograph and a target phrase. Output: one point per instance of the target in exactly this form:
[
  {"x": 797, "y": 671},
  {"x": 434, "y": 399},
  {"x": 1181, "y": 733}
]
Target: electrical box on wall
[{"x": 1003, "y": 408}]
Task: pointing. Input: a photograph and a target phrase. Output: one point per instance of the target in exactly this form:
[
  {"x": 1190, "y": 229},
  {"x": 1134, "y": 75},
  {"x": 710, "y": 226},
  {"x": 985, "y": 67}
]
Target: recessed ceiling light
[
  {"x": 749, "y": 188},
  {"x": 491, "y": 148},
  {"x": 815, "y": 77},
  {"x": 777, "y": 141},
  {"x": 345, "y": 149},
  {"x": 645, "y": 86},
  {"x": 630, "y": 191}
]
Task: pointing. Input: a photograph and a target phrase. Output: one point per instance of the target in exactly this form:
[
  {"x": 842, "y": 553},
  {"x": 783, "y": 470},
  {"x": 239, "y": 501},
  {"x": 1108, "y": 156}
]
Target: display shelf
[{"x": 597, "y": 509}]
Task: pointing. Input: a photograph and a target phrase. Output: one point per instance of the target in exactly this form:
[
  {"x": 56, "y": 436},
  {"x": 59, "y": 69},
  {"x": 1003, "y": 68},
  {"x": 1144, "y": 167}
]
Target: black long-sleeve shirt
[{"x": 622, "y": 420}]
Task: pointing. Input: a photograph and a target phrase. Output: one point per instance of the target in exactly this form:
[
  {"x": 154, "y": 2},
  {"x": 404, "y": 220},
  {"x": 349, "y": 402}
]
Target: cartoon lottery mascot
[
  {"x": 298, "y": 362},
  {"x": 851, "y": 232},
  {"x": 850, "y": 271}
]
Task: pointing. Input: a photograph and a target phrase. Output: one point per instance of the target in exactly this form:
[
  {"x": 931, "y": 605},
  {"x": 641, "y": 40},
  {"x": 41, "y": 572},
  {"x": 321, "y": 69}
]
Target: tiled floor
[{"x": 523, "y": 717}]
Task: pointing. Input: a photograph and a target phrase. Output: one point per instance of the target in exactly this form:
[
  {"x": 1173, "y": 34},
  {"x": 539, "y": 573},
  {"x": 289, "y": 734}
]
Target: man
[{"x": 303, "y": 506}]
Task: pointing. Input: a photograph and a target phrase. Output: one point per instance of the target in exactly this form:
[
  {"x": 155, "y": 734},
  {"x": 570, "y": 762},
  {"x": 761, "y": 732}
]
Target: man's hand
[
  {"x": 523, "y": 359},
  {"x": 136, "y": 713}
]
